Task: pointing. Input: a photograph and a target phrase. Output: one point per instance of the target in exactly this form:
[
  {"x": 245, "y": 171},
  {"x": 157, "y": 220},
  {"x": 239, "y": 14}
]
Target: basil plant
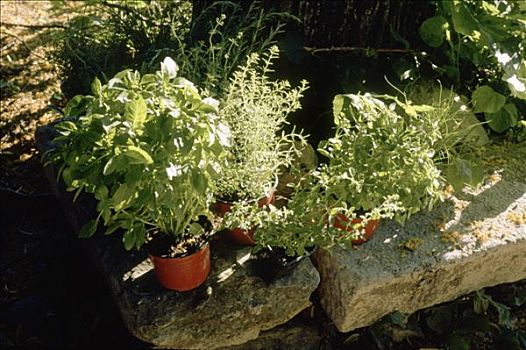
[{"x": 149, "y": 148}]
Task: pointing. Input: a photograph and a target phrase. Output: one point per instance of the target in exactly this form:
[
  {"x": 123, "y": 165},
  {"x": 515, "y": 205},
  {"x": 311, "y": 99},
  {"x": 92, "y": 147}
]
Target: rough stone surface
[
  {"x": 293, "y": 335},
  {"x": 469, "y": 242},
  {"x": 231, "y": 308}
]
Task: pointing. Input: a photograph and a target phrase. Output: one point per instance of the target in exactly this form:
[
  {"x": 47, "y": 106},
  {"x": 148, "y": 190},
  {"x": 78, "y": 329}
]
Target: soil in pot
[
  {"x": 271, "y": 263},
  {"x": 237, "y": 235},
  {"x": 342, "y": 222},
  {"x": 180, "y": 266}
]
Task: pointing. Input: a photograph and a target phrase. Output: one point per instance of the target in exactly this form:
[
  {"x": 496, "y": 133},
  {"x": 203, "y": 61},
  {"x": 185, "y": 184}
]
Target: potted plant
[
  {"x": 385, "y": 160},
  {"x": 255, "y": 108},
  {"x": 149, "y": 148}
]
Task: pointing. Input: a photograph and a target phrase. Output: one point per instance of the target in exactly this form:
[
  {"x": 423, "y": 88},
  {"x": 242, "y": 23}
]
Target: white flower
[
  {"x": 223, "y": 132},
  {"x": 212, "y": 102},
  {"x": 175, "y": 113},
  {"x": 518, "y": 85},
  {"x": 173, "y": 171},
  {"x": 169, "y": 67}
]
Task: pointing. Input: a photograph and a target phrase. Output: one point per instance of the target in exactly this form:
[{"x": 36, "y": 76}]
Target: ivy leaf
[
  {"x": 433, "y": 31},
  {"x": 505, "y": 118},
  {"x": 135, "y": 112},
  {"x": 88, "y": 229},
  {"x": 138, "y": 156},
  {"x": 487, "y": 100}
]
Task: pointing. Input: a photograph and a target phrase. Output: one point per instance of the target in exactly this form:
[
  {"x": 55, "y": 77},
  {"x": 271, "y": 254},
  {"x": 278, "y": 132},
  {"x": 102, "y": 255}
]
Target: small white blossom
[
  {"x": 169, "y": 67},
  {"x": 173, "y": 171},
  {"x": 223, "y": 132}
]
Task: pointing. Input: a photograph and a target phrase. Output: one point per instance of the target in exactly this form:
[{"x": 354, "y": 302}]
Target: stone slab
[
  {"x": 233, "y": 307},
  {"x": 468, "y": 242}
]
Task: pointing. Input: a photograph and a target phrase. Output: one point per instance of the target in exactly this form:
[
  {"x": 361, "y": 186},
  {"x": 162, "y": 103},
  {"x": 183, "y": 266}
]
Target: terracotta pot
[
  {"x": 237, "y": 235},
  {"x": 341, "y": 223},
  {"x": 183, "y": 274}
]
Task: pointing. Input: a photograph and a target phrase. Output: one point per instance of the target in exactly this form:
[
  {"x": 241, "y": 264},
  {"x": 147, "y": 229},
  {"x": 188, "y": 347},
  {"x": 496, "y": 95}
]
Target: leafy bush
[
  {"x": 487, "y": 37},
  {"x": 127, "y": 34},
  {"x": 149, "y": 149},
  {"x": 221, "y": 39}
]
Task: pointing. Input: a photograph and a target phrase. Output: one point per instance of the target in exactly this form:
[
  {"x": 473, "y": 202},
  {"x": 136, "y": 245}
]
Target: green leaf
[
  {"x": 199, "y": 182},
  {"x": 462, "y": 172},
  {"x": 337, "y": 107},
  {"x": 96, "y": 87},
  {"x": 88, "y": 229},
  {"x": 76, "y": 106},
  {"x": 433, "y": 30},
  {"x": 439, "y": 319},
  {"x": 128, "y": 238},
  {"x": 487, "y": 100},
  {"x": 122, "y": 196},
  {"x": 110, "y": 166},
  {"x": 505, "y": 118},
  {"x": 135, "y": 112},
  {"x": 138, "y": 156},
  {"x": 101, "y": 192},
  {"x": 463, "y": 21}
]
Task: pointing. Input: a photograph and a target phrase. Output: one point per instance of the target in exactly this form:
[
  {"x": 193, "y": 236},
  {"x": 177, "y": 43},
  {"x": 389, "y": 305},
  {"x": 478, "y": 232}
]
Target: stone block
[
  {"x": 467, "y": 243},
  {"x": 231, "y": 308}
]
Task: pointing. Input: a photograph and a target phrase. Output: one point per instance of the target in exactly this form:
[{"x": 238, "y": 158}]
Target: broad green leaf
[
  {"x": 66, "y": 126},
  {"x": 505, "y": 118},
  {"x": 433, "y": 30},
  {"x": 337, "y": 107},
  {"x": 122, "y": 196},
  {"x": 486, "y": 100},
  {"x": 88, "y": 229},
  {"x": 128, "y": 238},
  {"x": 76, "y": 106},
  {"x": 96, "y": 87},
  {"x": 463, "y": 21},
  {"x": 140, "y": 236},
  {"x": 101, "y": 192},
  {"x": 199, "y": 182},
  {"x": 138, "y": 156},
  {"x": 135, "y": 112}
]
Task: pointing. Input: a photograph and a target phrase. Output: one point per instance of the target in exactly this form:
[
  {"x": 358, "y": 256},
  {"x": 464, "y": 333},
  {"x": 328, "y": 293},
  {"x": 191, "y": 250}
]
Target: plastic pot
[
  {"x": 342, "y": 222},
  {"x": 237, "y": 235},
  {"x": 183, "y": 274}
]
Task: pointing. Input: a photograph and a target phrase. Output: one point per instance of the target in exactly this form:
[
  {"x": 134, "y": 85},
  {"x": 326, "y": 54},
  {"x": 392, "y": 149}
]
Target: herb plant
[
  {"x": 149, "y": 148},
  {"x": 256, "y": 109},
  {"x": 387, "y": 159}
]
